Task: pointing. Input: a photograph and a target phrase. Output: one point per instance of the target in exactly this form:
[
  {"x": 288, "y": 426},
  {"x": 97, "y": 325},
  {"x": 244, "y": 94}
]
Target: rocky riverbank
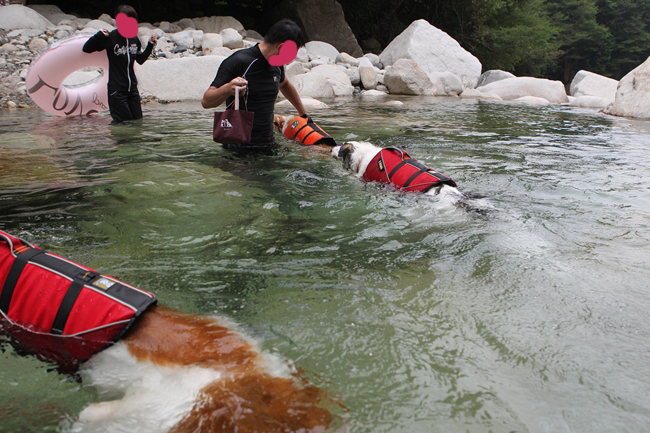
[{"x": 423, "y": 60}]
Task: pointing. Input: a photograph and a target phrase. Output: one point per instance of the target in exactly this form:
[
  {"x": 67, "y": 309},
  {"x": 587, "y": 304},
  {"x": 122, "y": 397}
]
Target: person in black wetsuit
[
  {"x": 123, "y": 94},
  {"x": 249, "y": 69}
]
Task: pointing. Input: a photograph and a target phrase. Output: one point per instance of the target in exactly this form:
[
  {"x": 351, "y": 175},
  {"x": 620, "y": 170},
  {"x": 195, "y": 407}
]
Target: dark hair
[
  {"x": 127, "y": 10},
  {"x": 284, "y": 30}
]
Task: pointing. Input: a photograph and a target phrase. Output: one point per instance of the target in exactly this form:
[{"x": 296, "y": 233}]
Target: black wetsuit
[
  {"x": 123, "y": 95},
  {"x": 261, "y": 92}
]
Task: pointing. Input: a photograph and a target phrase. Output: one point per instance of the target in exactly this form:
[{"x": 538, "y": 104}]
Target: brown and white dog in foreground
[
  {"x": 395, "y": 167},
  {"x": 176, "y": 372},
  {"x": 169, "y": 372}
]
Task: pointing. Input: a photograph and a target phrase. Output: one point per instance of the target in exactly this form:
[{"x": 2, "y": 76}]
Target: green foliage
[{"x": 517, "y": 36}]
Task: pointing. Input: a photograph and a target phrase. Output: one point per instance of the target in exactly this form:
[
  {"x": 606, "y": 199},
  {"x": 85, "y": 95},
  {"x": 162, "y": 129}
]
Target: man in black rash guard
[
  {"x": 250, "y": 70},
  {"x": 123, "y": 94}
]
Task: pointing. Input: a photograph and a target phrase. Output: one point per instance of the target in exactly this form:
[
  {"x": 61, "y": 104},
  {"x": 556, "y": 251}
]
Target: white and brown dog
[
  {"x": 395, "y": 167},
  {"x": 168, "y": 371}
]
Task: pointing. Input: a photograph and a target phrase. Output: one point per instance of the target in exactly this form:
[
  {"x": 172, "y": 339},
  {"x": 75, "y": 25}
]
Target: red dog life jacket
[
  {"x": 392, "y": 165},
  {"x": 305, "y": 131},
  {"x": 60, "y": 310}
]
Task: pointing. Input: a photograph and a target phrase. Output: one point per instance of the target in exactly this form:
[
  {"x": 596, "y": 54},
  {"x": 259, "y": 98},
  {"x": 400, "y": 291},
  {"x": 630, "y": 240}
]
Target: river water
[{"x": 528, "y": 313}]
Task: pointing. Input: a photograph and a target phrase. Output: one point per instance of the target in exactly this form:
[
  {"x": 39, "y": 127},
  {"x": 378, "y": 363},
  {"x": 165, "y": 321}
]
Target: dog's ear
[{"x": 345, "y": 150}]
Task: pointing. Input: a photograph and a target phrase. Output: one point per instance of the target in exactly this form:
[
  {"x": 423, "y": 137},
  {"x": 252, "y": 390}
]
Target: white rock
[
  {"x": 98, "y": 25},
  {"x": 37, "y": 45},
  {"x": 186, "y": 37},
  {"x": 493, "y": 75},
  {"x": 532, "y": 100},
  {"x": 434, "y": 51},
  {"x": 8, "y": 48},
  {"x": 446, "y": 83},
  {"x": 252, "y": 34},
  {"x": 318, "y": 49},
  {"x": 25, "y": 34},
  {"x": 52, "y": 13},
  {"x": 374, "y": 59},
  {"x": 303, "y": 55},
  {"x": 211, "y": 41},
  {"x": 22, "y": 17},
  {"x": 633, "y": 94},
  {"x": 165, "y": 26},
  {"x": 217, "y": 24},
  {"x": 587, "y": 83},
  {"x": 324, "y": 81},
  {"x": 107, "y": 19},
  {"x": 372, "y": 94},
  {"x": 310, "y": 104},
  {"x": 345, "y": 58},
  {"x": 353, "y": 74},
  {"x": 293, "y": 69},
  {"x": 221, "y": 51},
  {"x": 367, "y": 73},
  {"x": 477, "y": 94},
  {"x": 514, "y": 88},
  {"x": 231, "y": 38},
  {"x": 191, "y": 77},
  {"x": 406, "y": 77},
  {"x": 589, "y": 102}
]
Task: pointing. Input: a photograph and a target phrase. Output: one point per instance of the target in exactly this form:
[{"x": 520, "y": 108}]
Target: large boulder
[
  {"x": 367, "y": 74},
  {"x": 587, "y": 83},
  {"x": 325, "y": 81},
  {"x": 406, "y": 77},
  {"x": 217, "y": 24},
  {"x": 321, "y": 20},
  {"x": 231, "y": 38},
  {"x": 191, "y": 77},
  {"x": 493, "y": 75},
  {"x": 434, "y": 51},
  {"x": 633, "y": 94},
  {"x": 52, "y": 13},
  {"x": 22, "y": 17},
  {"x": 323, "y": 50},
  {"x": 518, "y": 87}
]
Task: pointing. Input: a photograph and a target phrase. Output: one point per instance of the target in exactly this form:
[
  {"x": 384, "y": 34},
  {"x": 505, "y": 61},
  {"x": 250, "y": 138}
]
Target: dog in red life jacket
[
  {"x": 164, "y": 370},
  {"x": 395, "y": 167}
]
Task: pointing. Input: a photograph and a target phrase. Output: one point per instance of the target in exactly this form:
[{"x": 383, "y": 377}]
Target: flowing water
[{"x": 528, "y": 314}]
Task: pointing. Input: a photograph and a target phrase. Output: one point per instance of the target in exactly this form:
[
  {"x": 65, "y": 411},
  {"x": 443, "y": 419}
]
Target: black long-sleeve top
[{"x": 122, "y": 53}]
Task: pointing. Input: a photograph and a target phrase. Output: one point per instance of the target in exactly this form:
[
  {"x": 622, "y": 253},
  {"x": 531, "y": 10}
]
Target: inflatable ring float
[{"x": 44, "y": 81}]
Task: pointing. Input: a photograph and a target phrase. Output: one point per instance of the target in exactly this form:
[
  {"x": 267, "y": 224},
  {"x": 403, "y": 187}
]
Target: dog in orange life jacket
[
  {"x": 395, "y": 167},
  {"x": 303, "y": 130},
  {"x": 170, "y": 372}
]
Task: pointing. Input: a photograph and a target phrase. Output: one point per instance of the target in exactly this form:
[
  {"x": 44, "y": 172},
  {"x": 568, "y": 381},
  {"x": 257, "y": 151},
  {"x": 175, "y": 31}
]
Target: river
[{"x": 528, "y": 313}]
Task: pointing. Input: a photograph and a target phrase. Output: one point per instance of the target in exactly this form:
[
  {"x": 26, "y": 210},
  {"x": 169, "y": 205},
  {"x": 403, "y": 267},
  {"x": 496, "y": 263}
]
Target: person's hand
[
  {"x": 238, "y": 82},
  {"x": 153, "y": 39},
  {"x": 105, "y": 32}
]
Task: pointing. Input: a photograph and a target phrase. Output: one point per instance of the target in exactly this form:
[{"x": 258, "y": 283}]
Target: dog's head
[
  {"x": 355, "y": 154},
  {"x": 280, "y": 122}
]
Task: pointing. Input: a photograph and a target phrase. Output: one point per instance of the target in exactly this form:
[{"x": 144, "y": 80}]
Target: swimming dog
[
  {"x": 395, "y": 167},
  {"x": 158, "y": 369}
]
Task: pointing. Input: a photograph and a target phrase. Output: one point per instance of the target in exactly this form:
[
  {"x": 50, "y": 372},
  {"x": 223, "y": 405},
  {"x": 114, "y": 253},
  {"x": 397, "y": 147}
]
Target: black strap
[
  {"x": 66, "y": 306},
  {"x": 397, "y": 167},
  {"x": 13, "y": 276},
  {"x": 413, "y": 177}
]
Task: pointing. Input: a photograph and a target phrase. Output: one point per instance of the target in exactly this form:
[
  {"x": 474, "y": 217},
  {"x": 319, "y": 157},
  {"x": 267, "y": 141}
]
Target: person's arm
[
  {"x": 215, "y": 96},
  {"x": 290, "y": 92},
  {"x": 97, "y": 42},
  {"x": 143, "y": 56}
]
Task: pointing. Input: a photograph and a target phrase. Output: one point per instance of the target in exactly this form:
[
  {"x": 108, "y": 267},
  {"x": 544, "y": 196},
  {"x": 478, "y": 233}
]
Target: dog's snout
[{"x": 335, "y": 152}]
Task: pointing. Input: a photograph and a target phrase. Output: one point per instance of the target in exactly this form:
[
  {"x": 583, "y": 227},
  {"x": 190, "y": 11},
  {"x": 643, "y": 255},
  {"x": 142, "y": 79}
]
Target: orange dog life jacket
[
  {"x": 60, "y": 310},
  {"x": 303, "y": 130},
  {"x": 395, "y": 166}
]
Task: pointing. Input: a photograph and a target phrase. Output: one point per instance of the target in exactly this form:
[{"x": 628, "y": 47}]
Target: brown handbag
[{"x": 233, "y": 126}]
